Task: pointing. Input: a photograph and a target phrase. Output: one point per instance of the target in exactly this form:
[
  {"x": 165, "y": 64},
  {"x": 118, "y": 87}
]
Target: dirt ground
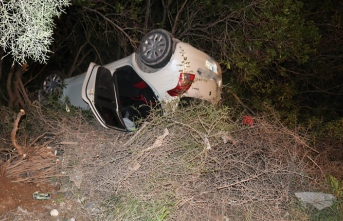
[
  {"x": 17, "y": 203},
  {"x": 14, "y": 195}
]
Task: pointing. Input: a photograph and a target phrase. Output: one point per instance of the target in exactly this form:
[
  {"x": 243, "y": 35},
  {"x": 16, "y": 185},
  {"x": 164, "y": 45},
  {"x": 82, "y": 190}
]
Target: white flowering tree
[{"x": 26, "y": 29}]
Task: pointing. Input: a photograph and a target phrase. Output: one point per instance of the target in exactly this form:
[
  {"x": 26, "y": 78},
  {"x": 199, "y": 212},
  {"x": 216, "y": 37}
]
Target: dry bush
[
  {"x": 196, "y": 163},
  {"x": 26, "y": 153},
  {"x": 330, "y": 157}
]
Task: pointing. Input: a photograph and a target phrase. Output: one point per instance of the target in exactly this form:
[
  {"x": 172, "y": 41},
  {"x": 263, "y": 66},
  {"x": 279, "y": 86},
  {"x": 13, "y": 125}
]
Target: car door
[{"x": 99, "y": 90}]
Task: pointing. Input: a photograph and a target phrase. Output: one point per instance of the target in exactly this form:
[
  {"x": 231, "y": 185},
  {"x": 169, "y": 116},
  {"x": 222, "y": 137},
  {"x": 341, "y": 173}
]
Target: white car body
[{"x": 101, "y": 87}]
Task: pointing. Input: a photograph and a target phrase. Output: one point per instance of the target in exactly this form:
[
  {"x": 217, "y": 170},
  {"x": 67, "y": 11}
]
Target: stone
[
  {"x": 317, "y": 199},
  {"x": 54, "y": 212}
]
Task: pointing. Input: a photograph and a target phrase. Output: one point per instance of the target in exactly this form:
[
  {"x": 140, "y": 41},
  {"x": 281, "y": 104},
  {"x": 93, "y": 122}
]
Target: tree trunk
[
  {"x": 16, "y": 91},
  {"x": 24, "y": 98},
  {"x": 147, "y": 14},
  {"x": 11, "y": 97}
]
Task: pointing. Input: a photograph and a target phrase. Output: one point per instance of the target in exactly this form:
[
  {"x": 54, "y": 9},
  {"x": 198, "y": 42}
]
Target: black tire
[
  {"x": 52, "y": 85},
  {"x": 156, "y": 48}
]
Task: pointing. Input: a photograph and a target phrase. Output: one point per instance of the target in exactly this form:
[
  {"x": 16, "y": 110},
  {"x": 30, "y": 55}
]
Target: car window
[
  {"x": 135, "y": 95},
  {"x": 106, "y": 99}
]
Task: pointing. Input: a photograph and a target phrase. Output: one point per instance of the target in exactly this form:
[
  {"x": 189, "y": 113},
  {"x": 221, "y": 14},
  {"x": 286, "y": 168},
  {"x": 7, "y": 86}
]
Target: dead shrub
[
  {"x": 25, "y": 152},
  {"x": 197, "y": 163}
]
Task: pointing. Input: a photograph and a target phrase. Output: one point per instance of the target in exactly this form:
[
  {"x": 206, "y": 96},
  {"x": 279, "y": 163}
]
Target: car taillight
[{"x": 184, "y": 83}]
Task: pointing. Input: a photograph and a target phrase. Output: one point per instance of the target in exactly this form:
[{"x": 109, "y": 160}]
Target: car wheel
[
  {"x": 52, "y": 85},
  {"x": 156, "y": 48}
]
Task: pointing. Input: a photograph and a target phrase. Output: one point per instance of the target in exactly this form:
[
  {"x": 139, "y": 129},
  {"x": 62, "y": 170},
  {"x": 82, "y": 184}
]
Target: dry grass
[
  {"x": 26, "y": 153},
  {"x": 207, "y": 167},
  {"x": 198, "y": 163}
]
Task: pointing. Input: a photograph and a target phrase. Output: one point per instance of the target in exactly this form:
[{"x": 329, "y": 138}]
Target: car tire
[
  {"x": 51, "y": 85},
  {"x": 156, "y": 48}
]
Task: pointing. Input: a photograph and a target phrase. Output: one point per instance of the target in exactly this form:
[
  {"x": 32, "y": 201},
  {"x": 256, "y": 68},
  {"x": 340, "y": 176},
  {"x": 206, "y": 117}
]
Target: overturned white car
[{"x": 164, "y": 69}]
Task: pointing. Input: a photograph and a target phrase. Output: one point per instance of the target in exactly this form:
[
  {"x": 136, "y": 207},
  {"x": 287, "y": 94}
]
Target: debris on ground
[{"x": 317, "y": 199}]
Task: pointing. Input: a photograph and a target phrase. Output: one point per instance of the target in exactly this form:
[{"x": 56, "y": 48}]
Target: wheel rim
[
  {"x": 52, "y": 83},
  {"x": 154, "y": 46}
]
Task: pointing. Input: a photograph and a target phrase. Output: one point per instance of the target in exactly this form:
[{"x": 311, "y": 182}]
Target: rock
[
  {"x": 22, "y": 210},
  {"x": 54, "y": 212},
  {"x": 66, "y": 189},
  {"x": 76, "y": 177},
  {"x": 316, "y": 199},
  {"x": 91, "y": 208}
]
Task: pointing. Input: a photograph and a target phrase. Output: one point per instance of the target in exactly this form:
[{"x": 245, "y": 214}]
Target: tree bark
[
  {"x": 15, "y": 88},
  {"x": 20, "y": 86},
  {"x": 147, "y": 14},
  {"x": 14, "y": 133},
  {"x": 11, "y": 97}
]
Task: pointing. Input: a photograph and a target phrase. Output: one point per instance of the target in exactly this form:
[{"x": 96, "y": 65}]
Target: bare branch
[
  {"x": 113, "y": 24},
  {"x": 176, "y": 20},
  {"x": 14, "y": 133}
]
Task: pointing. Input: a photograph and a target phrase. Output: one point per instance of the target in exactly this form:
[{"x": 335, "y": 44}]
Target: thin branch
[
  {"x": 14, "y": 133},
  {"x": 177, "y": 17},
  {"x": 112, "y": 23},
  {"x": 241, "y": 181}
]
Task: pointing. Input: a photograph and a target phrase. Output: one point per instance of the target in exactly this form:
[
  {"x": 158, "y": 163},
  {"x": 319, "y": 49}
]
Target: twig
[
  {"x": 43, "y": 135},
  {"x": 136, "y": 134},
  {"x": 321, "y": 171},
  {"x": 14, "y": 133},
  {"x": 134, "y": 165},
  {"x": 68, "y": 143},
  {"x": 242, "y": 181}
]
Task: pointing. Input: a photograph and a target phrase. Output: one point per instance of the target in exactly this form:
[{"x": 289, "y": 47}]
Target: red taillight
[{"x": 185, "y": 82}]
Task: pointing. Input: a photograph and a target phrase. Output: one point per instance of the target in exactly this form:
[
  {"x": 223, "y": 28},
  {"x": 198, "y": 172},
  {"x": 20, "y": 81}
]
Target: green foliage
[
  {"x": 327, "y": 129},
  {"x": 275, "y": 41},
  {"x": 268, "y": 50},
  {"x": 328, "y": 214},
  {"x": 334, "y": 129},
  {"x": 321, "y": 91},
  {"x": 336, "y": 186},
  {"x": 26, "y": 27}
]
